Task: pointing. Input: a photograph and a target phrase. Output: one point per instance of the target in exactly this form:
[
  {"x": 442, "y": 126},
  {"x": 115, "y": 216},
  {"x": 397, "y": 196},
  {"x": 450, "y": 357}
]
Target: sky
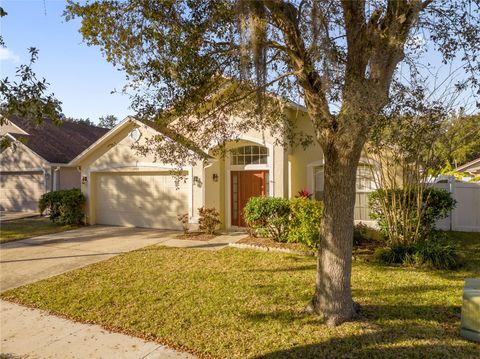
[{"x": 78, "y": 74}]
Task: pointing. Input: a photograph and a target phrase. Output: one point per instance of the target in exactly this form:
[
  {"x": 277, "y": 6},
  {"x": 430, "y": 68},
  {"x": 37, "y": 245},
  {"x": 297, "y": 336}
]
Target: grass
[
  {"x": 29, "y": 227},
  {"x": 248, "y": 304}
]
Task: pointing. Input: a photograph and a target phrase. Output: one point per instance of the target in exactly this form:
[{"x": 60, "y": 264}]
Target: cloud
[{"x": 8, "y": 55}]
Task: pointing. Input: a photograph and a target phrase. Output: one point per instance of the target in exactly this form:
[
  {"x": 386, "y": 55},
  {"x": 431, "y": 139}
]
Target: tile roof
[{"x": 57, "y": 144}]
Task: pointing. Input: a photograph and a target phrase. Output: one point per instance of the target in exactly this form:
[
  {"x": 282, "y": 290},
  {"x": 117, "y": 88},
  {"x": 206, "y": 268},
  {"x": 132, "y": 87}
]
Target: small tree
[{"x": 404, "y": 161}]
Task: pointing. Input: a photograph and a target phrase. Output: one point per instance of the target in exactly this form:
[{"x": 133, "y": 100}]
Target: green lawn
[
  {"x": 29, "y": 227},
  {"x": 248, "y": 304}
]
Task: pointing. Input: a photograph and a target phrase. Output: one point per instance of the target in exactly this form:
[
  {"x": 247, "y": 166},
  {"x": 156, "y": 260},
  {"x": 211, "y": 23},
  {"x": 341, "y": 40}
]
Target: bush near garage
[
  {"x": 208, "y": 220},
  {"x": 64, "y": 207}
]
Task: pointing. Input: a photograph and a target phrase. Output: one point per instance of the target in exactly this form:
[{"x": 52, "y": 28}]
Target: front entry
[{"x": 246, "y": 184}]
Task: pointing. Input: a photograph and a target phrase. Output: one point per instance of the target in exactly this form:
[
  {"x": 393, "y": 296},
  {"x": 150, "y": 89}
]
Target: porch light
[
  {"x": 215, "y": 177},
  {"x": 84, "y": 179},
  {"x": 197, "y": 181}
]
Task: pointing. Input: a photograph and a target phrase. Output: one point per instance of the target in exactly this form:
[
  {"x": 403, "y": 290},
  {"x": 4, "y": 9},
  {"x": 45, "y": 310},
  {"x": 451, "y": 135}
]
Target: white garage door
[
  {"x": 20, "y": 191},
  {"x": 149, "y": 200}
]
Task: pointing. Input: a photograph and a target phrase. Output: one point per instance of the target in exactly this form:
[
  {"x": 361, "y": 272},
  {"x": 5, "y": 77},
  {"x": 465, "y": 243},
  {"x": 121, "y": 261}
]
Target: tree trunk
[{"x": 333, "y": 296}]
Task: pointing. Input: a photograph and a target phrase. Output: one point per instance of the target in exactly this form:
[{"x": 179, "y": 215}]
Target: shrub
[
  {"x": 363, "y": 234},
  {"x": 398, "y": 253},
  {"x": 305, "y": 221},
  {"x": 399, "y": 217},
  {"x": 209, "y": 219},
  {"x": 64, "y": 207},
  {"x": 268, "y": 216},
  {"x": 183, "y": 219},
  {"x": 437, "y": 253},
  {"x": 434, "y": 252}
]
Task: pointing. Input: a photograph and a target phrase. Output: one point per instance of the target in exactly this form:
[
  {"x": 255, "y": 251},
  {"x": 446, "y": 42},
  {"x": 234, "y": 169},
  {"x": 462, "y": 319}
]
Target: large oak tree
[{"x": 340, "y": 58}]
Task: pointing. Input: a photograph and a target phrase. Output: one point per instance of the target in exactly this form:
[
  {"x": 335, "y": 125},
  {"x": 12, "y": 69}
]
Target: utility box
[{"x": 470, "y": 325}]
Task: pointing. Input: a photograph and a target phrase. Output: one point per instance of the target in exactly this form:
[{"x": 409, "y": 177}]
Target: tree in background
[
  {"x": 108, "y": 121},
  {"x": 459, "y": 142},
  {"x": 194, "y": 65},
  {"x": 82, "y": 121}
]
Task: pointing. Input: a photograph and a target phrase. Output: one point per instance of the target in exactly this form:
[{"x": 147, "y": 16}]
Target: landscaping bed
[
  {"x": 249, "y": 304},
  {"x": 270, "y": 243},
  {"x": 17, "y": 229},
  {"x": 196, "y": 236}
]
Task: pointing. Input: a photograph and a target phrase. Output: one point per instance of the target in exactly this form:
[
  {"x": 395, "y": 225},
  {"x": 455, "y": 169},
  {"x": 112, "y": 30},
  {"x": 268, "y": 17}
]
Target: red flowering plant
[{"x": 303, "y": 193}]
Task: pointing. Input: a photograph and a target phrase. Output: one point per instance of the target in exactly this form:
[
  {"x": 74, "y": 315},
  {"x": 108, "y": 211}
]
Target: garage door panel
[
  {"x": 20, "y": 191},
  {"x": 141, "y": 199}
]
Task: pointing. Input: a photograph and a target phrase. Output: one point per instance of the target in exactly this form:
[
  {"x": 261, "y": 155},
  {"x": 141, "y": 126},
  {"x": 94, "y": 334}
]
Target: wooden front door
[{"x": 245, "y": 184}]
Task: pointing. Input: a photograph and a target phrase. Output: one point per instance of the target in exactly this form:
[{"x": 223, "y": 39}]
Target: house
[
  {"x": 37, "y": 159},
  {"x": 126, "y": 188},
  {"x": 472, "y": 167}
]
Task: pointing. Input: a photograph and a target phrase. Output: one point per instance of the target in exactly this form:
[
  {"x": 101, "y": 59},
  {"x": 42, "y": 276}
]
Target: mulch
[
  {"x": 362, "y": 252},
  {"x": 196, "y": 236}
]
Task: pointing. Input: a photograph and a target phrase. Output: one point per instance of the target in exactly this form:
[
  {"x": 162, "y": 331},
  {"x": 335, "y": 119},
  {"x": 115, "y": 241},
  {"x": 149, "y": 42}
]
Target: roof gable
[{"x": 57, "y": 144}]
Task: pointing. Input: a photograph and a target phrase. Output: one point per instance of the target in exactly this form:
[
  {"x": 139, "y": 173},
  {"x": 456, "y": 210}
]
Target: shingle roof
[{"x": 57, "y": 144}]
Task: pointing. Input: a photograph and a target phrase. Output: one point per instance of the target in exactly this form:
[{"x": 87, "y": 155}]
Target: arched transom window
[{"x": 249, "y": 155}]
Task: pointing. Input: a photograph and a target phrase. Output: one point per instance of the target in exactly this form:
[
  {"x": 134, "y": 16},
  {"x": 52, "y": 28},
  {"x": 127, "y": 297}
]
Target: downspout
[
  {"x": 55, "y": 178},
  {"x": 45, "y": 179}
]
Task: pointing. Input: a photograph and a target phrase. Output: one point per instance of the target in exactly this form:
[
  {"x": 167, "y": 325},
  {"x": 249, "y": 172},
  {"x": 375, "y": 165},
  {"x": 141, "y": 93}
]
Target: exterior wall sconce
[
  {"x": 197, "y": 181},
  {"x": 215, "y": 177},
  {"x": 84, "y": 179}
]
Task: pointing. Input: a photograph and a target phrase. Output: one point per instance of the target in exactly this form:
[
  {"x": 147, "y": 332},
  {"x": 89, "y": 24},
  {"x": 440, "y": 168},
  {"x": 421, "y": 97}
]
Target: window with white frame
[
  {"x": 249, "y": 155},
  {"x": 318, "y": 182},
  {"x": 364, "y": 185}
]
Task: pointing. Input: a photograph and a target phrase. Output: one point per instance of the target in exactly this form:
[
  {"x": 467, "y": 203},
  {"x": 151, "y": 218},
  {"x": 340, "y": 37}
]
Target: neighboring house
[
  {"x": 472, "y": 168},
  {"x": 36, "y": 161},
  {"x": 128, "y": 189}
]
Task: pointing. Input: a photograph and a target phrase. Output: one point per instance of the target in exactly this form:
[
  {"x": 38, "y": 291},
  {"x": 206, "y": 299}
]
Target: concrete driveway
[
  {"x": 30, "y": 260},
  {"x": 10, "y": 216}
]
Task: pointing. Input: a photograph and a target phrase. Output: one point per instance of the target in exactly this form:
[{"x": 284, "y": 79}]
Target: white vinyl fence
[{"x": 466, "y": 215}]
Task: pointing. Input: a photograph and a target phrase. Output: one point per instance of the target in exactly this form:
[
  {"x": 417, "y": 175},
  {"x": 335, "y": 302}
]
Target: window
[
  {"x": 318, "y": 181},
  {"x": 249, "y": 155},
  {"x": 364, "y": 184}
]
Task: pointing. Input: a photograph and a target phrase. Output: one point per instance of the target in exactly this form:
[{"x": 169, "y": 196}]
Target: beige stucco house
[
  {"x": 37, "y": 159},
  {"x": 126, "y": 188}
]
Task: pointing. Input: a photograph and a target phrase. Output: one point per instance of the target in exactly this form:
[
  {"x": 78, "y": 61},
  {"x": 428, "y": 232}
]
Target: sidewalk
[{"x": 28, "y": 332}]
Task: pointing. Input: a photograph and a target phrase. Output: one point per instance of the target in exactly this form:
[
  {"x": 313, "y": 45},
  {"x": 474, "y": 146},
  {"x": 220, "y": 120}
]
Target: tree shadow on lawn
[
  {"x": 374, "y": 345},
  {"x": 403, "y": 290},
  {"x": 390, "y": 331}
]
